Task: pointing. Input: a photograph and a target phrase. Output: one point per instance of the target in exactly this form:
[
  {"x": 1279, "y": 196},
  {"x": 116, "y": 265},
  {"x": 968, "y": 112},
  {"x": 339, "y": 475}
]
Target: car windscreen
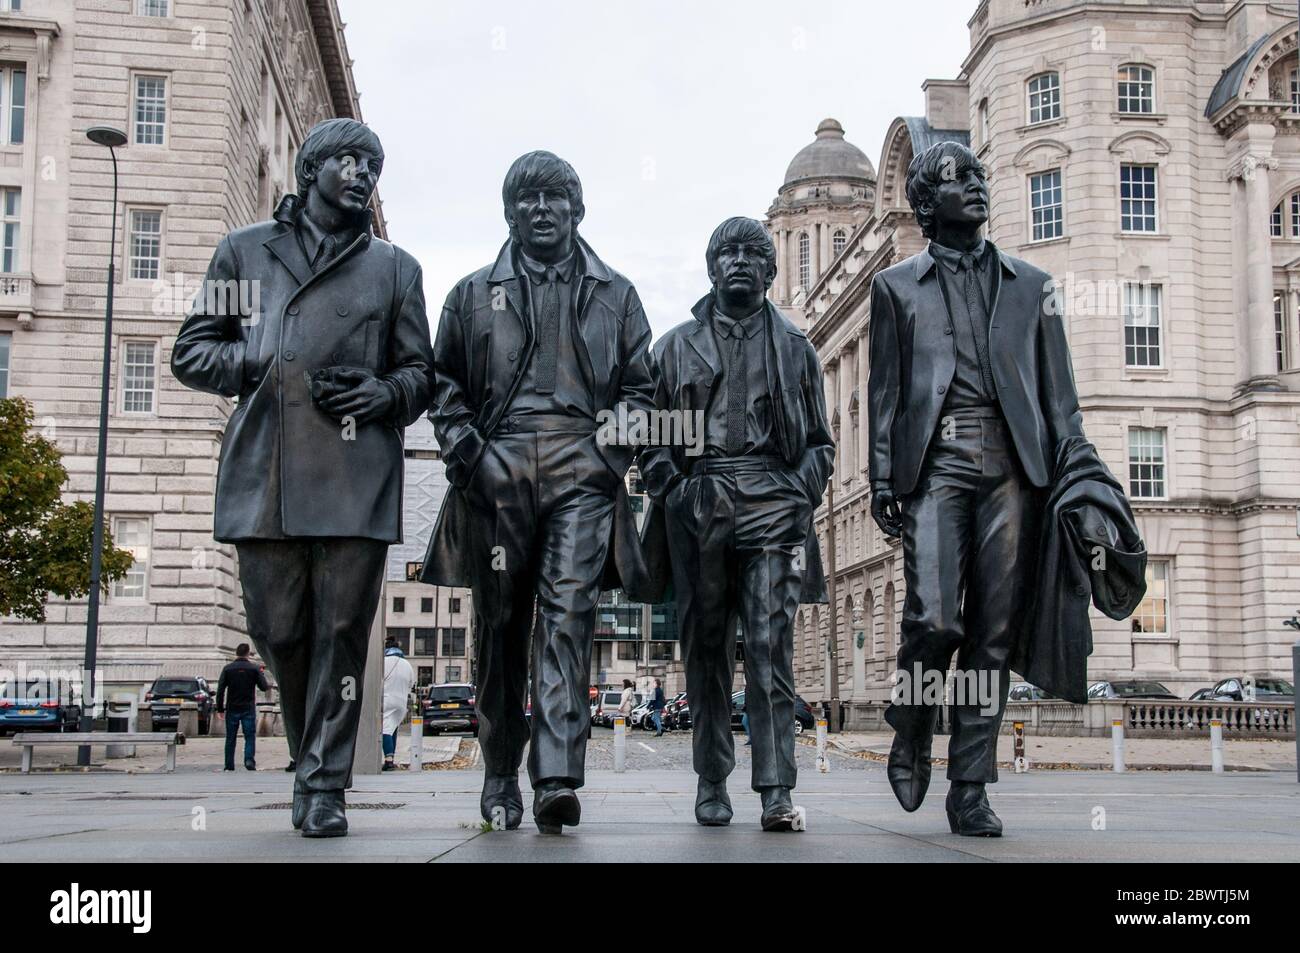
[
  {"x": 1140, "y": 688},
  {"x": 175, "y": 686},
  {"x": 450, "y": 693},
  {"x": 1274, "y": 686}
]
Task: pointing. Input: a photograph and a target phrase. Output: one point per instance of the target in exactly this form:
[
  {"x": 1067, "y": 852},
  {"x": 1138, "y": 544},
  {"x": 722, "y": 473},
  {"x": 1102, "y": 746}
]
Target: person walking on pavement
[
  {"x": 627, "y": 701},
  {"x": 237, "y": 700},
  {"x": 398, "y": 679},
  {"x": 657, "y": 708}
]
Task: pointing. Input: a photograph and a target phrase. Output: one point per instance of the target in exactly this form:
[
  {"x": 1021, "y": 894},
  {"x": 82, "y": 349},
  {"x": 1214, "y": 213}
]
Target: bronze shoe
[
  {"x": 326, "y": 815},
  {"x": 909, "y": 771},
  {"x": 969, "y": 812},
  {"x": 555, "y": 807},
  {"x": 501, "y": 792},
  {"x": 712, "y": 804},
  {"x": 779, "y": 813}
]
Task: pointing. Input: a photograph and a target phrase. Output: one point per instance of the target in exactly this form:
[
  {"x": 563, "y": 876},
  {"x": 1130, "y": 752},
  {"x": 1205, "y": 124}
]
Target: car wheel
[{"x": 798, "y": 727}]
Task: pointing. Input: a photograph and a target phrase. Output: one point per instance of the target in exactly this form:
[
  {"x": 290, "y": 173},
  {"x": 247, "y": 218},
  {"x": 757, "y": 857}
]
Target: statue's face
[
  {"x": 962, "y": 199},
  {"x": 739, "y": 270},
  {"x": 544, "y": 220},
  {"x": 347, "y": 181}
]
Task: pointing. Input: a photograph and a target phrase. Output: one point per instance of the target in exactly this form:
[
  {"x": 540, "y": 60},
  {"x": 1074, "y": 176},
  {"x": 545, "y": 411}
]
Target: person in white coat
[{"x": 398, "y": 679}]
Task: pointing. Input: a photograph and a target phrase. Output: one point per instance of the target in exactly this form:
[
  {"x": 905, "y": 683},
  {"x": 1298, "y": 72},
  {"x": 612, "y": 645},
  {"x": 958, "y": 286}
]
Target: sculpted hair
[
  {"x": 741, "y": 231},
  {"x": 541, "y": 170},
  {"x": 942, "y": 162},
  {"x": 327, "y": 139}
]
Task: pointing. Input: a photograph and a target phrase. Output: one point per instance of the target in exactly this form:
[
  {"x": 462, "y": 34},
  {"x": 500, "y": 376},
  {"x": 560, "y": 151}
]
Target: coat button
[
  {"x": 1080, "y": 590},
  {"x": 513, "y": 355},
  {"x": 942, "y": 388},
  {"x": 289, "y": 355},
  {"x": 342, "y": 311},
  {"x": 947, "y": 330},
  {"x": 293, "y": 309}
]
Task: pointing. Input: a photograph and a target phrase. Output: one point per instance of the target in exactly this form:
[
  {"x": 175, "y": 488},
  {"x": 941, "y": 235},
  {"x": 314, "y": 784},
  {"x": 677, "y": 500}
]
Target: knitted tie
[
  {"x": 737, "y": 392},
  {"x": 975, "y": 312},
  {"x": 324, "y": 253},
  {"x": 548, "y": 335}
]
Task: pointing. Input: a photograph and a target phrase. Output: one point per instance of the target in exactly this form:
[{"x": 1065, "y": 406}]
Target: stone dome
[{"x": 830, "y": 155}]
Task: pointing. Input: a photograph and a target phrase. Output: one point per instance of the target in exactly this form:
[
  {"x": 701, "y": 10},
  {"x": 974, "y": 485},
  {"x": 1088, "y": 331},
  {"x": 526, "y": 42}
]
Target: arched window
[
  {"x": 1136, "y": 88},
  {"x": 1285, "y": 220},
  {"x": 1044, "y": 97},
  {"x": 838, "y": 241},
  {"x": 891, "y": 635},
  {"x": 805, "y": 261},
  {"x": 1295, "y": 91}
]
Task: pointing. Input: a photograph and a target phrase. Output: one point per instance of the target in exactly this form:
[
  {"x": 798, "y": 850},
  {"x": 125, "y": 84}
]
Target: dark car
[
  {"x": 168, "y": 693},
  {"x": 1028, "y": 693},
  {"x": 38, "y": 705},
  {"x": 1134, "y": 689},
  {"x": 450, "y": 707},
  {"x": 1265, "y": 690},
  {"x": 804, "y": 719},
  {"x": 1201, "y": 695},
  {"x": 677, "y": 713}
]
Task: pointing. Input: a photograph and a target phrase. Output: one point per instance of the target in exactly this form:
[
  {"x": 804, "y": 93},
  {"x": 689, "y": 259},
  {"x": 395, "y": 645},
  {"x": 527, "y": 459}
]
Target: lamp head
[{"x": 106, "y": 136}]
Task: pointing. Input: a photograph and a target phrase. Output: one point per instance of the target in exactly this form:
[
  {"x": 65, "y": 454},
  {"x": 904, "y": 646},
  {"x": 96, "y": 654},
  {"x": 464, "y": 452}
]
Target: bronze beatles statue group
[{"x": 971, "y": 399}]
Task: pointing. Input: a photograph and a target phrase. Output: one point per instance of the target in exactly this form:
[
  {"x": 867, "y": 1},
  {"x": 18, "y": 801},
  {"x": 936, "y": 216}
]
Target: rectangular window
[
  {"x": 661, "y": 651},
  {"x": 1275, "y": 222},
  {"x": 453, "y": 643},
  {"x": 1137, "y": 89},
  {"x": 12, "y": 202},
  {"x": 153, "y": 8},
  {"x": 145, "y": 244},
  {"x": 1045, "y": 202},
  {"x": 426, "y": 642},
  {"x": 1152, "y": 615},
  {"x": 1146, "y": 463},
  {"x": 426, "y": 605},
  {"x": 399, "y": 603},
  {"x": 453, "y": 673},
  {"x": 13, "y": 105},
  {"x": 1295, "y": 92},
  {"x": 1141, "y": 324},
  {"x": 1281, "y": 335},
  {"x": 150, "y": 110},
  {"x": 1137, "y": 194},
  {"x": 1044, "y": 98},
  {"x": 132, "y": 533},
  {"x": 1295, "y": 214},
  {"x": 139, "y": 376},
  {"x": 6, "y": 343},
  {"x": 453, "y": 605},
  {"x": 629, "y": 651}
]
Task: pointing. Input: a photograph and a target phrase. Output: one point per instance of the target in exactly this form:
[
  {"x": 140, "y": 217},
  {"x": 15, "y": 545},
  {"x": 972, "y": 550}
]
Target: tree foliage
[{"x": 44, "y": 543}]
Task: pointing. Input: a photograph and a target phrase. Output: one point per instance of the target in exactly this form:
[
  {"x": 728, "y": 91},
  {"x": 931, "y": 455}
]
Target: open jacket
[
  {"x": 287, "y": 468},
  {"x": 688, "y": 369},
  {"x": 1090, "y": 549},
  {"x": 484, "y": 342},
  {"x": 914, "y": 358}
]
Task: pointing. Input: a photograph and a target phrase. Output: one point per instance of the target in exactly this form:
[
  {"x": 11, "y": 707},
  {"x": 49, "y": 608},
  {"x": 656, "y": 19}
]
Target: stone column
[
  {"x": 864, "y": 371},
  {"x": 782, "y": 274},
  {"x": 1251, "y": 203},
  {"x": 846, "y": 454},
  {"x": 814, "y": 252}
]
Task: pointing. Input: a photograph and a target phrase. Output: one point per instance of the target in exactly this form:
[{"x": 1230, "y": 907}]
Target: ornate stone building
[
  {"x": 214, "y": 96},
  {"x": 1147, "y": 154}
]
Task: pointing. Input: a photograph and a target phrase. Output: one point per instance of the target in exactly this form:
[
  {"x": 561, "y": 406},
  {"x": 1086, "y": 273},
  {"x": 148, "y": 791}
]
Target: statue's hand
[
  {"x": 887, "y": 512},
  {"x": 371, "y": 399}
]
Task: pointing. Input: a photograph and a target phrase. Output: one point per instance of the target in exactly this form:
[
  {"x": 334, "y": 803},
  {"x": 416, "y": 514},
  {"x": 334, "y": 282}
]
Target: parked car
[
  {"x": 1234, "y": 689},
  {"x": 677, "y": 714},
  {"x": 607, "y": 706},
  {"x": 38, "y": 705},
  {"x": 169, "y": 692},
  {"x": 450, "y": 707},
  {"x": 1201, "y": 695},
  {"x": 1025, "y": 692},
  {"x": 804, "y": 717},
  {"x": 1133, "y": 689},
  {"x": 640, "y": 716}
]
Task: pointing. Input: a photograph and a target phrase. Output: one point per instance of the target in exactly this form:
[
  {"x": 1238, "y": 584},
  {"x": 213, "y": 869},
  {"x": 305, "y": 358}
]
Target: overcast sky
[{"x": 675, "y": 114}]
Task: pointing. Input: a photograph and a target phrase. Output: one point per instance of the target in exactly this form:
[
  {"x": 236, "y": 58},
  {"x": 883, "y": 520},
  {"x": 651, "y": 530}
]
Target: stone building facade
[
  {"x": 1146, "y": 154},
  {"x": 214, "y": 96}
]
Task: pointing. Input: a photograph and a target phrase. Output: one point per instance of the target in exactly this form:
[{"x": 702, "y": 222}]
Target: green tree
[{"x": 44, "y": 542}]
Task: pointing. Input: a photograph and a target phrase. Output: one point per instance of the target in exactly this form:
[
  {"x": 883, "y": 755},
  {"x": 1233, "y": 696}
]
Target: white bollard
[
  {"x": 823, "y": 762},
  {"x": 1117, "y": 744},
  {"x": 620, "y": 744},
  {"x": 1216, "y": 746},
  {"x": 417, "y": 742}
]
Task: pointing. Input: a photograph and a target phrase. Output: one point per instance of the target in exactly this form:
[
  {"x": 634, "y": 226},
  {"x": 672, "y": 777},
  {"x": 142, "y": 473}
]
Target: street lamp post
[{"x": 111, "y": 139}]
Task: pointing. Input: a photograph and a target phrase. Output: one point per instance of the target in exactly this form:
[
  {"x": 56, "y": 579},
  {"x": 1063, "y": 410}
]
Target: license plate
[
  {"x": 172, "y": 701},
  {"x": 450, "y": 705},
  {"x": 29, "y": 711}
]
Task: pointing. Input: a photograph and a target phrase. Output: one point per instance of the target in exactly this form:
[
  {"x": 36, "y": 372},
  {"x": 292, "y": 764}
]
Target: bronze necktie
[
  {"x": 548, "y": 335},
  {"x": 324, "y": 253},
  {"x": 737, "y": 392},
  {"x": 976, "y": 312}
]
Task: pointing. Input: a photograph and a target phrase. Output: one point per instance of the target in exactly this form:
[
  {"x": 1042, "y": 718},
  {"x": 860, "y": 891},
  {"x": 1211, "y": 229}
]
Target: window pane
[
  {"x": 150, "y": 110},
  {"x": 1146, "y": 463},
  {"x": 1136, "y": 89},
  {"x": 1045, "y": 98},
  {"x": 146, "y": 244},
  {"x": 17, "y": 106},
  {"x": 1046, "y": 205},
  {"x": 1152, "y": 615},
  {"x": 838, "y": 241},
  {"x": 153, "y": 8},
  {"x": 6, "y": 339},
  {"x": 1137, "y": 193},
  {"x": 1142, "y": 325},
  {"x": 805, "y": 261},
  {"x": 1275, "y": 222},
  {"x": 132, "y": 533},
  {"x": 138, "y": 377}
]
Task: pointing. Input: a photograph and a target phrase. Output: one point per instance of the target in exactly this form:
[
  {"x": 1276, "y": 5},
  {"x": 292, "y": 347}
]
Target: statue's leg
[
  {"x": 1005, "y": 545},
  {"x": 699, "y": 541},
  {"x": 346, "y": 583},
  {"x": 276, "y": 582}
]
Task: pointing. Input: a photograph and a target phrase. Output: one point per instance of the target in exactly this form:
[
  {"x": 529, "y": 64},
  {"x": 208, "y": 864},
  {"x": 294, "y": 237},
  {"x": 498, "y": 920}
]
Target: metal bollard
[
  {"x": 823, "y": 762},
  {"x": 620, "y": 744},
  {"x": 1295, "y": 680},
  {"x": 417, "y": 741},
  {"x": 1018, "y": 747},
  {"x": 1117, "y": 744},
  {"x": 1216, "y": 745}
]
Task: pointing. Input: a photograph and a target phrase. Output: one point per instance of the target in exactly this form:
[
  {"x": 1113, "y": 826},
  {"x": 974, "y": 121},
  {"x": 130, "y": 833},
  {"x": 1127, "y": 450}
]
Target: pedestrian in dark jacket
[
  {"x": 237, "y": 699},
  {"x": 657, "y": 708}
]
